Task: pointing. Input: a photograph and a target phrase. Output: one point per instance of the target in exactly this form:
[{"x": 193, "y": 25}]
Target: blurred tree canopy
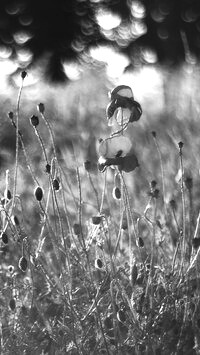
[{"x": 147, "y": 31}]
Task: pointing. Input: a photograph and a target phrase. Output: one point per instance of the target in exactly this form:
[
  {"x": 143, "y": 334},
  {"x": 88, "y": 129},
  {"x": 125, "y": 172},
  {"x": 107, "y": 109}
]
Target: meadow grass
[{"x": 100, "y": 262}]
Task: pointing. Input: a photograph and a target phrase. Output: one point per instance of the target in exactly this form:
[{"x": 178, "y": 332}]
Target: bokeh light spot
[
  {"x": 5, "y": 52},
  {"x": 72, "y": 70},
  {"x": 107, "y": 20},
  {"x": 137, "y": 9},
  {"x": 22, "y": 37}
]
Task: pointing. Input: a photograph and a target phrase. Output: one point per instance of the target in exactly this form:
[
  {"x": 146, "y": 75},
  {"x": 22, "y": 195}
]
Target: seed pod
[
  {"x": 56, "y": 184},
  {"x": 38, "y": 193},
  {"x": 4, "y": 238},
  {"x": 23, "y": 263},
  {"x": 77, "y": 229},
  {"x": 41, "y": 107},
  {"x": 98, "y": 263},
  {"x": 116, "y": 193},
  {"x": 34, "y": 121},
  {"x": 96, "y": 220},
  {"x": 12, "y": 304}
]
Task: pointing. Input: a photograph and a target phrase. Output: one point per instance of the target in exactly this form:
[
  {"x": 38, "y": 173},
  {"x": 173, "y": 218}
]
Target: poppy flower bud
[
  {"x": 23, "y": 74},
  {"x": 189, "y": 182},
  {"x": 121, "y": 316},
  {"x": 121, "y": 91},
  {"x": 9, "y": 196},
  {"x": 11, "y": 115},
  {"x": 140, "y": 242},
  {"x": 98, "y": 263},
  {"x": 48, "y": 168},
  {"x": 116, "y": 193},
  {"x": 180, "y": 144},
  {"x": 41, "y": 107},
  {"x": 15, "y": 220},
  {"x": 195, "y": 243},
  {"x": 11, "y": 269},
  {"x": 96, "y": 220},
  {"x": 23, "y": 263},
  {"x": 12, "y": 304},
  {"x": 34, "y": 121},
  {"x": 87, "y": 165},
  {"x": 108, "y": 322},
  {"x": 134, "y": 274},
  {"x": 77, "y": 228},
  {"x": 4, "y": 238},
  {"x": 38, "y": 193},
  {"x": 56, "y": 184},
  {"x": 173, "y": 204}
]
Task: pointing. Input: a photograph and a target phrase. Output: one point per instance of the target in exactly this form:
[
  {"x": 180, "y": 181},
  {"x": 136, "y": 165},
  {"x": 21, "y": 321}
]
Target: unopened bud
[
  {"x": 41, "y": 107},
  {"x": 34, "y": 121}
]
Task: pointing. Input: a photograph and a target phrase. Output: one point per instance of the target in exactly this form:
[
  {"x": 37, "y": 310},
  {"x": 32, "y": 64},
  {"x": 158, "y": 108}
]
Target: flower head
[
  {"x": 122, "y": 108},
  {"x": 117, "y": 151}
]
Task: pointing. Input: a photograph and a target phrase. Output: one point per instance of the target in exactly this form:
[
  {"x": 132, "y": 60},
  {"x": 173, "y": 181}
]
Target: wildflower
[
  {"x": 122, "y": 108},
  {"x": 116, "y": 151}
]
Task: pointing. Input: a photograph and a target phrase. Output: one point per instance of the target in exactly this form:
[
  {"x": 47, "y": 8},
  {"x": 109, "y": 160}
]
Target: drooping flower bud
[
  {"x": 34, "y": 121},
  {"x": 41, "y": 107},
  {"x": 38, "y": 193},
  {"x": 23, "y": 263}
]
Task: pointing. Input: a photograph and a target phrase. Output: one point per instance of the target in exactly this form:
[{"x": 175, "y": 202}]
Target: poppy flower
[
  {"x": 117, "y": 151},
  {"x": 122, "y": 108}
]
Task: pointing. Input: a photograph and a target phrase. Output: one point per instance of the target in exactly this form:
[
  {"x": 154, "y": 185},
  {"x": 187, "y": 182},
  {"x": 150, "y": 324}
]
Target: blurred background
[{"x": 76, "y": 51}]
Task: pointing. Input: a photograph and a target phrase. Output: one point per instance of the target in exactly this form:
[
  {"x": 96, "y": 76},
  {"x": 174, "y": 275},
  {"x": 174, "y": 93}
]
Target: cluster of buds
[{"x": 117, "y": 149}]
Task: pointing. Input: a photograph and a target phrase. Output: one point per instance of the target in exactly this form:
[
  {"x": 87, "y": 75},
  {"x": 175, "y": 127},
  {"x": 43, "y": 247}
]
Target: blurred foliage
[{"x": 163, "y": 31}]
